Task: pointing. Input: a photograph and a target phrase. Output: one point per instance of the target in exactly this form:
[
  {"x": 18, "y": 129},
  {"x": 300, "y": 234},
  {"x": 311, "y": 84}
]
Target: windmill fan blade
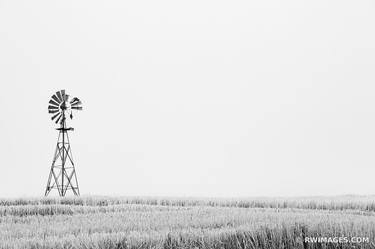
[
  {"x": 59, "y": 96},
  {"x": 74, "y": 100},
  {"x": 56, "y": 99},
  {"x": 52, "y": 107},
  {"x": 77, "y": 107},
  {"x": 76, "y": 103},
  {"x": 54, "y": 116},
  {"x": 53, "y": 111},
  {"x": 58, "y": 119},
  {"x": 63, "y": 94},
  {"x": 53, "y": 102},
  {"x": 66, "y": 96}
]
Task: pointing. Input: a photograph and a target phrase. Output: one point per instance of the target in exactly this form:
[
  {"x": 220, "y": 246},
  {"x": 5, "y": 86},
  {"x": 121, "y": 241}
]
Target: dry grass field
[{"x": 130, "y": 222}]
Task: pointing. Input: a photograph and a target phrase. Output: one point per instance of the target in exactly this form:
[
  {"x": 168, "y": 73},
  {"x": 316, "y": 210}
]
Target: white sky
[{"x": 191, "y": 98}]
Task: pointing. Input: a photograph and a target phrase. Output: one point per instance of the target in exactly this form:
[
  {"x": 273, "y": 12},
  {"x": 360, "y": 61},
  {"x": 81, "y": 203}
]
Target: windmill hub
[{"x": 62, "y": 174}]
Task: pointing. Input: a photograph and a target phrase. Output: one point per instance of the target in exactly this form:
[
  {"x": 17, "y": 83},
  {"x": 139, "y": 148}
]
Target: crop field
[{"x": 131, "y": 222}]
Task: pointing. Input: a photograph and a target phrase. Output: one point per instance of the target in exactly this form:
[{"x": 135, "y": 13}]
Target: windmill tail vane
[{"x": 62, "y": 174}]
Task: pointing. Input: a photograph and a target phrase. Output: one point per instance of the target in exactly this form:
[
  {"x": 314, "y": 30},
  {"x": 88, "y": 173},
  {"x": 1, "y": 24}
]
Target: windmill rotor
[{"x": 60, "y": 103}]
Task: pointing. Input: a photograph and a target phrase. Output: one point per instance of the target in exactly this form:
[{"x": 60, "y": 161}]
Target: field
[{"x": 130, "y": 222}]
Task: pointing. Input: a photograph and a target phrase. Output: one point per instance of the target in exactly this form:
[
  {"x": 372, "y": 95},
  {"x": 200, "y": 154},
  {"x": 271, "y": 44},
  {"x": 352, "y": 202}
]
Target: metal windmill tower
[{"x": 62, "y": 175}]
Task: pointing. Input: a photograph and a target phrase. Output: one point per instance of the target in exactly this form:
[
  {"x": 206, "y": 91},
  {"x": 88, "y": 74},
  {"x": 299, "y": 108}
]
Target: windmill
[{"x": 62, "y": 175}]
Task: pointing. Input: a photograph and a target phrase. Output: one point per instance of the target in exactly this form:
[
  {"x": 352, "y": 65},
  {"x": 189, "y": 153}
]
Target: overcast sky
[{"x": 191, "y": 98}]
